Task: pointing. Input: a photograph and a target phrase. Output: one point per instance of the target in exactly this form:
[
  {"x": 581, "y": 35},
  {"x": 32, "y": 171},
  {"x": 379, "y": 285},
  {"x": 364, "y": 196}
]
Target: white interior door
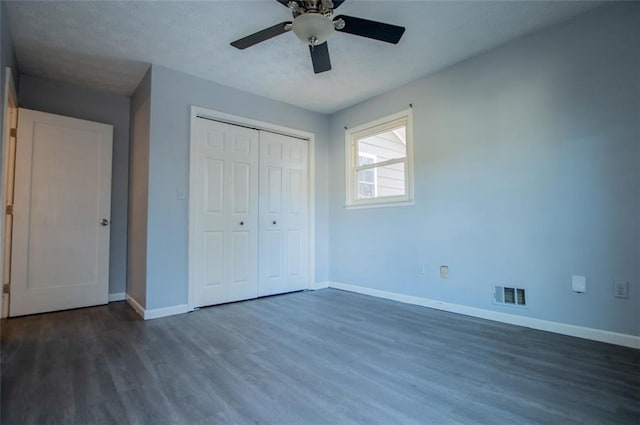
[
  {"x": 60, "y": 255},
  {"x": 224, "y": 184},
  {"x": 284, "y": 214}
]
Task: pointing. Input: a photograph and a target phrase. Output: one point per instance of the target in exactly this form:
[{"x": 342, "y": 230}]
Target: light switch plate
[
  {"x": 621, "y": 289},
  {"x": 579, "y": 283},
  {"x": 444, "y": 272}
]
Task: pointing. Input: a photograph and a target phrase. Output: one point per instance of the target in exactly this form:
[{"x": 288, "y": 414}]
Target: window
[
  {"x": 379, "y": 162},
  {"x": 367, "y": 180}
]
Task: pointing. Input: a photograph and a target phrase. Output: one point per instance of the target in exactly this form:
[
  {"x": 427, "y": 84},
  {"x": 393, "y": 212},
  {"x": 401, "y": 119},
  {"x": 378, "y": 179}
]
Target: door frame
[
  {"x": 198, "y": 111},
  {"x": 10, "y": 97}
]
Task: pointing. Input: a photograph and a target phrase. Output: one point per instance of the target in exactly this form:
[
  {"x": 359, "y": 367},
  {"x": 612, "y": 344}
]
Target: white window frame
[{"x": 352, "y": 135}]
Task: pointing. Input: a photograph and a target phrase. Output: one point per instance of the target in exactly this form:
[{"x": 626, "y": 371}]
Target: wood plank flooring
[{"x": 323, "y": 357}]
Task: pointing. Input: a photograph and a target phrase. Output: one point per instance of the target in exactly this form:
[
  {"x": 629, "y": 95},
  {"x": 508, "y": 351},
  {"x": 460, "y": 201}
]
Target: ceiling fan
[{"x": 313, "y": 24}]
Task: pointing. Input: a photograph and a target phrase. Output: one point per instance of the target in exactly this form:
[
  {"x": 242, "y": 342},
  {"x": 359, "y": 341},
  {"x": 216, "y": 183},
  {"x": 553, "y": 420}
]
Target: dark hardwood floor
[{"x": 324, "y": 357}]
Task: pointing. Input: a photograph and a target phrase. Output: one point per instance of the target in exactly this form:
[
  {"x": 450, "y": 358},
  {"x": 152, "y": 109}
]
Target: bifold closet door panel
[
  {"x": 284, "y": 214},
  {"x": 226, "y": 228}
]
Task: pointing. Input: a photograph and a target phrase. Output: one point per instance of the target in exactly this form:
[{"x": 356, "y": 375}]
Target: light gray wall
[
  {"x": 527, "y": 170},
  {"x": 7, "y": 54},
  {"x": 94, "y": 105},
  {"x": 139, "y": 191},
  {"x": 7, "y": 59},
  {"x": 172, "y": 94}
]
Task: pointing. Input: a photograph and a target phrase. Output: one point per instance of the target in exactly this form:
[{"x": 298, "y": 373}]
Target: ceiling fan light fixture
[
  {"x": 313, "y": 25},
  {"x": 313, "y": 28}
]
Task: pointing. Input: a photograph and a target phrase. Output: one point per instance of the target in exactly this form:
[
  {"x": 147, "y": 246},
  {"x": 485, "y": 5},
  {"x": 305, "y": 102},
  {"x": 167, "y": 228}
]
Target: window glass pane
[
  {"x": 366, "y": 179},
  {"x": 364, "y": 160},
  {"x": 381, "y": 181},
  {"x": 366, "y": 190},
  {"x": 369, "y": 176},
  {"x": 390, "y": 144}
]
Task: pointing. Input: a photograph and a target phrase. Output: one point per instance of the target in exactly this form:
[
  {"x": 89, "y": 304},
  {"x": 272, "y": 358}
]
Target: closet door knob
[
  {"x": 274, "y": 222},
  {"x": 242, "y": 223}
]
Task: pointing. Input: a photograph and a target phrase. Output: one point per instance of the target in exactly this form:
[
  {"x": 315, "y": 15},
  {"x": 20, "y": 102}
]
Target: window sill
[{"x": 379, "y": 205}]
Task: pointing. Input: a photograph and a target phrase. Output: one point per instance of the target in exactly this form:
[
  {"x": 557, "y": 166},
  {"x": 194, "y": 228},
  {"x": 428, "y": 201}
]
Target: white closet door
[
  {"x": 284, "y": 214},
  {"x": 225, "y": 188},
  {"x": 60, "y": 254}
]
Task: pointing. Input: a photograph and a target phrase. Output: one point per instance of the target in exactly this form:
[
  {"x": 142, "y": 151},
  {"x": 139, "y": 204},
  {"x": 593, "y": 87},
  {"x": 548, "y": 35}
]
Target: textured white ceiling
[{"x": 109, "y": 44}]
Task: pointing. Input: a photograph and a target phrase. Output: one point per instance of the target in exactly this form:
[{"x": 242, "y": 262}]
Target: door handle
[{"x": 104, "y": 222}]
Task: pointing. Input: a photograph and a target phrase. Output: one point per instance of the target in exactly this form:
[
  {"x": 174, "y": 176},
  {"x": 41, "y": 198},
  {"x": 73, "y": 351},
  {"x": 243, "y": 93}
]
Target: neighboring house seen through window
[
  {"x": 379, "y": 162},
  {"x": 367, "y": 178}
]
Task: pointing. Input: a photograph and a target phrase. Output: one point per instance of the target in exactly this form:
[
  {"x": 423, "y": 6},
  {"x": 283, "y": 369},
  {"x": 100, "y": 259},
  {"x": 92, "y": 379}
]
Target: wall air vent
[{"x": 509, "y": 296}]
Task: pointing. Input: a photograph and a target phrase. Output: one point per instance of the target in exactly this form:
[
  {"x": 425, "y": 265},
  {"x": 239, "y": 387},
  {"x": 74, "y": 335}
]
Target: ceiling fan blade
[
  {"x": 320, "y": 57},
  {"x": 371, "y": 29},
  {"x": 285, "y": 3},
  {"x": 261, "y": 36}
]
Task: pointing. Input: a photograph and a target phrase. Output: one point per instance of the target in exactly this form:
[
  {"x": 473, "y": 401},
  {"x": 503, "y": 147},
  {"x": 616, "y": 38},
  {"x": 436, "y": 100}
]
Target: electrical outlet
[
  {"x": 621, "y": 289},
  {"x": 578, "y": 283},
  {"x": 444, "y": 272}
]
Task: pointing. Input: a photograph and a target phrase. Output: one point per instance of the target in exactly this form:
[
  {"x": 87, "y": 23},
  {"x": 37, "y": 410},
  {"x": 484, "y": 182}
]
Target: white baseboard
[
  {"x": 528, "y": 322},
  {"x": 136, "y": 306},
  {"x": 319, "y": 285},
  {"x": 156, "y": 313},
  {"x": 117, "y": 296}
]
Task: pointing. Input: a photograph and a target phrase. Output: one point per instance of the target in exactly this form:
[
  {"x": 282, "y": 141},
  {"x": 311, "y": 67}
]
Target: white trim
[
  {"x": 243, "y": 121},
  {"x": 260, "y": 125},
  {"x": 351, "y": 165},
  {"x": 191, "y": 245},
  {"x": 311, "y": 278},
  {"x": 156, "y": 313},
  {"x": 9, "y": 93},
  {"x": 528, "y": 322},
  {"x": 380, "y": 205},
  {"x": 136, "y": 305},
  {"x": 392, "y": 118},
  {"x": 319, "y": 285},
  {"x": 117, "y": 296}
]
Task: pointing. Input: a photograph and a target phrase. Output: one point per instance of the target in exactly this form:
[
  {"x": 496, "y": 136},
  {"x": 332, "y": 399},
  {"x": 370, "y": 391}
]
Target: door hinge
[
  {"x": 5, "y": 288},
  {"x": 9, "y": 210},
  {"x": 13, "y": 132}
]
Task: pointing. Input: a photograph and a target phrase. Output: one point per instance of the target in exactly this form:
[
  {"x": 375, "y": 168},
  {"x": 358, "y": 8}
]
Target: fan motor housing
[{"x": 313, "y": 28}]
